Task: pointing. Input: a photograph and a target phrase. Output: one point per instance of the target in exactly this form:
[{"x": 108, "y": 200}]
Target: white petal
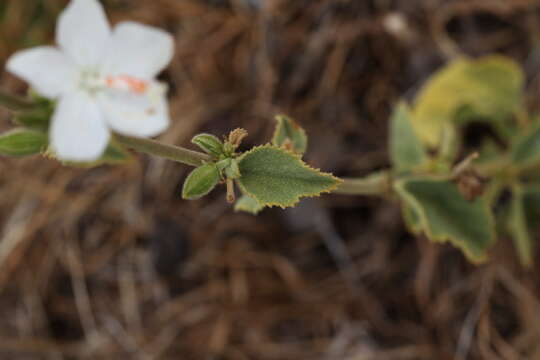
[
  {"x": 138, "y": 50},
  {"x": 83, "y": 31},
  {"x": 79, "y": 132},
  {"x": 142, "y": 115},
  {"x": 45, "y": 68}
]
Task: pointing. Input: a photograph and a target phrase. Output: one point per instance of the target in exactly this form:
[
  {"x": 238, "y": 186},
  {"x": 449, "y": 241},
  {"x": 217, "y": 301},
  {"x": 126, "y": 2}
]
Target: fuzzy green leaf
[
  {"x": 22, "y": 142},
  {"x": 517, "y": 226},
  {"x": 445, "y": 215},
  {"x": 200, "y": 181},
  {"x": 248, "y": 204},
  {"x": 289, "y": 132},
  {"x": 276, "y": 177},
  {"x": 490, "y": 87},
  {"x": 406, "y": 150},
  {"x": 209, "y": 143}
]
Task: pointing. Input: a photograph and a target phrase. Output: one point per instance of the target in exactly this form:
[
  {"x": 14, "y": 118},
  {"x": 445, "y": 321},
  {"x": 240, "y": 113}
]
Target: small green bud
[
  {"x": 209, "y": 143},
  {"x": 21, "y": 142},
  {"x": 229, "y": 167},
  {"x": 200, "y": 181},
  {"x": 232, "y": 171},
  {"x": 223, "y": 164}
]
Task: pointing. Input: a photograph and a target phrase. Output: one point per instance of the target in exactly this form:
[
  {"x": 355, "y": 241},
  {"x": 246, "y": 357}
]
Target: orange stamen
[{"x": 133, "y": 84}]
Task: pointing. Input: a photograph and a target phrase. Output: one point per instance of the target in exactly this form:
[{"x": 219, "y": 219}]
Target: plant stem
[
  {"x": 378, "y": 184},
  {"x": 171, "y": 152}
]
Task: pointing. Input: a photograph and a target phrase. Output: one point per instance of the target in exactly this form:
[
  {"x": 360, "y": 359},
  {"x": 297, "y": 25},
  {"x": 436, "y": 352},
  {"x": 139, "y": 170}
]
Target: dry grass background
[{"x": 110, "y": 263}]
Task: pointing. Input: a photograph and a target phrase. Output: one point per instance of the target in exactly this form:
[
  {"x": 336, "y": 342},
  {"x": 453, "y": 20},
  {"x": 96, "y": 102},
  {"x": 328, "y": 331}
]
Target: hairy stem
[
  {"x": 171, "y": 152},
  {"x": 378, "y": 184}
]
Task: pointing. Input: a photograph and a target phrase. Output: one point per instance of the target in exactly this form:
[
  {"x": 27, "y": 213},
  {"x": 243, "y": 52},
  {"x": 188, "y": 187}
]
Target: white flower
[{"x": 103, "y": 80}]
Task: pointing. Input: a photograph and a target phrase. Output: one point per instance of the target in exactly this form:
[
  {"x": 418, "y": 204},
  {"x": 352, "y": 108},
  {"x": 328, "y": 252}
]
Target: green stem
[
  {"x": 171, "y": 152},
  {"x": 378, "y": 184}
]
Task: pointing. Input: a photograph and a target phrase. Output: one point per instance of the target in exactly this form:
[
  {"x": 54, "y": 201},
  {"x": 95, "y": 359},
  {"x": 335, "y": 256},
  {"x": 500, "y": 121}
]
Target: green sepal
[
  {"x": 443, "y": 214},
  {"x": 490, "y": 88},
  {"x": 23, "y": 142},
  {"x": 209, "y": 144},
  {"x": 406, "y": 150},
  {"x": 277, "y": 177},
  {"x": 518, "y": 229},
  {"x": 200, "y": 181},
  {"x": 248, "y": 204},
  {"x": 289, "y": 133}
]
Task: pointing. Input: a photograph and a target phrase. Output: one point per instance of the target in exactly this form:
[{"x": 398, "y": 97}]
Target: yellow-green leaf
[
  {"x": 200, "y": 181},
  {"x": 443, "y": 215},
  {"x": 406, "y": 150},
  {"x": 276, "y": 177},
  {"x": 290, "y": 135},
  {"x": 490, "y": 87},
  {"x": 209, "y": 143}
]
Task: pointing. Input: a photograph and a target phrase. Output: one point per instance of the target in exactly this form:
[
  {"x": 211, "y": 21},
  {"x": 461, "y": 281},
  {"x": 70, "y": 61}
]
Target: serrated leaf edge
[{"x": 337, "y": 180}]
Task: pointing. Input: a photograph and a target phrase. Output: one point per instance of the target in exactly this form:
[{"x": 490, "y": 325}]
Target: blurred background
[{"x": 111, "y": 263}]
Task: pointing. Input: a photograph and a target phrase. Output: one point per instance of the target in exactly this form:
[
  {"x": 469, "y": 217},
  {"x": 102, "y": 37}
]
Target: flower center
[
  {"x": 92, "y": 81},
  {"x": 127, "y": 83}
]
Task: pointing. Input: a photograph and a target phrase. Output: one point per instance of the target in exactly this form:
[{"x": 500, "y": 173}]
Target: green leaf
[
  {"x": 289, "y": 133},
  {"x": 248, "y": 204},
  {"x": 444, "y": 215},
  {"x": 526, "y": 150},
  {"x": 200, "y": 181},
  {"x": 275, "y": 177},
  {"x": 517, "y": 226},
  {"x": 490, "y": 87},
  {"x": 406, "y": 151},
  {"x": 21, "y": 142},
  {"x": 209, "y": 143}
]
